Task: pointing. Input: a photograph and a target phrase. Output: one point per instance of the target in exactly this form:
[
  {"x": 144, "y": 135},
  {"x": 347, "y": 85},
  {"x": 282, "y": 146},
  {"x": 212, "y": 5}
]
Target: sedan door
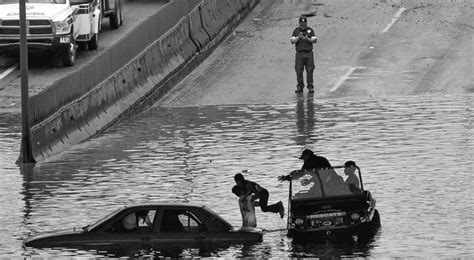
[{"x": 180, "y": 226}]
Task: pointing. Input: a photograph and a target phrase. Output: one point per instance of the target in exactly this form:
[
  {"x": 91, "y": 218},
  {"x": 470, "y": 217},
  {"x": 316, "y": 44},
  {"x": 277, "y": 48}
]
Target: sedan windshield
[
  {"x": 33, "y": 1},
  {"x": 103, "y": 219}
]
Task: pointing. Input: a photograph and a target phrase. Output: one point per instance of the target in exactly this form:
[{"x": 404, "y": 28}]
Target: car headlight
[
  {"x": 355, "y": 216},
  {"x": 62, "y": 27},
  {"x": 299, "y": 222},
  {"x": 364, "y": 219}
]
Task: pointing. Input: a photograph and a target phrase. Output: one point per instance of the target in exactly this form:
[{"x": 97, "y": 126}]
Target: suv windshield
[
  {"x": 326, "y": 183},
  {"x": 34, "y": 2}
]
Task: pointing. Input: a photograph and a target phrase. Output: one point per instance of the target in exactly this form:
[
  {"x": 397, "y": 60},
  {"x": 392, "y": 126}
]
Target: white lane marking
[
  {"x": 394, "y": 19},
  {"x": 343, "y": 78},
  {"x": 352, "y": 69},
  {"x": 8, "y": 71}
]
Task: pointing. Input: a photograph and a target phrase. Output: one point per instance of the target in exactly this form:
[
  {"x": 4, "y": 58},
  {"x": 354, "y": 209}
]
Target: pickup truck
[{"x": 61, "y": 26}]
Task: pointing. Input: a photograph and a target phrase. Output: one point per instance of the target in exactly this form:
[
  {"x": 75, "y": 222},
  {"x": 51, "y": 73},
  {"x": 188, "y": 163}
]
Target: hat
[
  {"x": 350, "y": 164},
  {"x": 303, "y": 19},
  {"x": 306, "y": 152}
]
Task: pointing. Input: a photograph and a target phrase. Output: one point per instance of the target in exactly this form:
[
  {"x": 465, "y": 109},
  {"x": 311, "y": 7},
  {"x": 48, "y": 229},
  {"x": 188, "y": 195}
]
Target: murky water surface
[{"x": 415, "y": 154}]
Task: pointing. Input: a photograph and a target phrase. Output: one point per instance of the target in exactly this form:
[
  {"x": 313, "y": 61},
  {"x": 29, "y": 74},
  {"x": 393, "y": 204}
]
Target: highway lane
[
  {"x": 44, "y": 69},
  {"x": 365, "y": 49}
]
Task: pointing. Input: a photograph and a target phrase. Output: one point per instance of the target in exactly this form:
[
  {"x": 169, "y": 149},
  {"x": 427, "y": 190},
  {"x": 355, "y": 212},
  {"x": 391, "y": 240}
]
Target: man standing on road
[{"x": 303, "y": 38}]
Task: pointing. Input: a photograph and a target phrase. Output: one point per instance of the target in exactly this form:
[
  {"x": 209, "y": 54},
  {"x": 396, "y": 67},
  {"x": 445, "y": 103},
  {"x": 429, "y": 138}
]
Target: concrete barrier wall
[
  {"x": 198, "y": 34},
  {"x": 142, "y": 80},
  {"x": 212, "y": 19}
]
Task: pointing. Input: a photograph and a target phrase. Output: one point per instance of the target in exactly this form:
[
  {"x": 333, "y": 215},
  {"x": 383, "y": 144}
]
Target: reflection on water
[
  {"x": 415, "y": 155},
  {"x": 305, "y": 119}
]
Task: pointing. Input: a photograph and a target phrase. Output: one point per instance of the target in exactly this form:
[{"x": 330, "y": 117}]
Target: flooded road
[
  {"x": 400, "y": 108},
  {"x": 415, "y": 155}
]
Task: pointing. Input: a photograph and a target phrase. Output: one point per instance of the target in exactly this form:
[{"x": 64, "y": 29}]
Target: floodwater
[{"x": 415, "y": 154}]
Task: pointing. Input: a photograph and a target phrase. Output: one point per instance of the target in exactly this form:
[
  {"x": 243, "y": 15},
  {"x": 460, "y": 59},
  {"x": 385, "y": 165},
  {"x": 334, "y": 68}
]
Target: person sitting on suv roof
[{"x": 352, "y": 181}]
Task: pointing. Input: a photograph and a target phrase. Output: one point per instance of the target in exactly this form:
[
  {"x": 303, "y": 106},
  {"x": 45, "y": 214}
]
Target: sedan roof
[{"x": 161, "y": 204}]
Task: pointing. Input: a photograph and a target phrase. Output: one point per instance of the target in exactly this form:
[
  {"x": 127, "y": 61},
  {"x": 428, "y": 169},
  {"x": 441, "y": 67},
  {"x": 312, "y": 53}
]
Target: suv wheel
[
  {"x": 121, "y": 12},
  {"x": 93, "y": 44},
  {"x": 116, "y": 18},
  {"x": 69, "y": 54},
  {"x": 81, "y": 45}
]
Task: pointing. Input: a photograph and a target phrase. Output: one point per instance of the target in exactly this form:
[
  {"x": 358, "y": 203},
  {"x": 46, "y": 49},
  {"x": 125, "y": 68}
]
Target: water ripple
[{"x": 415, "y": 154}]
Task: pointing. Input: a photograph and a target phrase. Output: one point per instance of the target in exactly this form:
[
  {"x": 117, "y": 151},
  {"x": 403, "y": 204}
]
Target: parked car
[
  {"x": 322, "y": 205},
  {"x": 148, "y": 224},
  {"x": 58, "y": 25}
]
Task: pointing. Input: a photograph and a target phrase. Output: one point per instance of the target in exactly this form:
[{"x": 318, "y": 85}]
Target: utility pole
[{"x": 26, "y": 153}]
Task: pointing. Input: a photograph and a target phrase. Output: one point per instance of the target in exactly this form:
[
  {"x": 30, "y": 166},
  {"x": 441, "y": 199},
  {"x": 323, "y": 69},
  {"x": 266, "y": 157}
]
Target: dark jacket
[
  {"x": 252, "y": 187},
  {"x": 315, "y": 162}
]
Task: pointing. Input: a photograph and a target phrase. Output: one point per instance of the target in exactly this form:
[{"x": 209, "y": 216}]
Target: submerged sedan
[{"x": 148, "y": 224}]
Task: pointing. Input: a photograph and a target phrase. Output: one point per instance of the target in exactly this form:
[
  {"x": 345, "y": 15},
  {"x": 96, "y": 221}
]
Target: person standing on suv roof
[
  {"x": 311, "y": 162},
  {"x": 303, "y": 38},
  {"x": 322, "y": 175}
]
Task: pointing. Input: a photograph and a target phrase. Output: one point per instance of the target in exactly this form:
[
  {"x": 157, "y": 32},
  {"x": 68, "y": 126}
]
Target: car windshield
[
  {"x": 326, "y": 183},
  {"x": 103, "y": 219},
  {"x": 34, "y": 1}
]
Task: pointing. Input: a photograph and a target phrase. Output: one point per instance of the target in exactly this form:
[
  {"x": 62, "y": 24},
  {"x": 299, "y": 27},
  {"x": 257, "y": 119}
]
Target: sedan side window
[
  {"x": 191, "y": 223},
  {"x": 137, "y": 221},
  {"x": 181, "y": 221},
  {"x": 145, "y": 220}
]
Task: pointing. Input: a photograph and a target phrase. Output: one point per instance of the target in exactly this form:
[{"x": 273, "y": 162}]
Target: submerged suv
[
  {"x": 322, "y": 205},
  {"x": 57, "y": 25}
]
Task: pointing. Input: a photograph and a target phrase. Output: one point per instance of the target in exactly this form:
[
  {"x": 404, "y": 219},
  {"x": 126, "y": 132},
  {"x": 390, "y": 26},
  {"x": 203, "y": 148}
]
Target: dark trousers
[
  {"x": 304, "y": 60},
  {"x": 263, "y": 200}
]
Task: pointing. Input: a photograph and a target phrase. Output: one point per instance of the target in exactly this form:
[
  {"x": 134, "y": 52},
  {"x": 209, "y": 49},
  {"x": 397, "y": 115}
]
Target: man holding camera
[{"x": 303, "y": 38}]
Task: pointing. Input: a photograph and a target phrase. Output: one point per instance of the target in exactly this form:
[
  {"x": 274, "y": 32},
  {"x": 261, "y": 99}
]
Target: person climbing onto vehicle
[
  {"x": 247, "y": 207},
  {"x": 250, "y": 187},
  {"x": 352, "y": 181}
]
